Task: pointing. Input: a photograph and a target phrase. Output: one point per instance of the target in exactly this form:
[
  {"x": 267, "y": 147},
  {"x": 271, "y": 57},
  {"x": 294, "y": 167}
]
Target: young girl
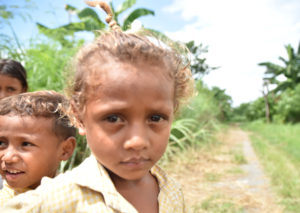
[
  {"x": 12, "y": 78},
  {"x": 124, "y": 96}
]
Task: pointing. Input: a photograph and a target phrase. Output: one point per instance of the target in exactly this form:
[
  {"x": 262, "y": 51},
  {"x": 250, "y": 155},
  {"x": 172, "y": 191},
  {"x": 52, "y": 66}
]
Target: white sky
[{"x": 240, "y": 34}]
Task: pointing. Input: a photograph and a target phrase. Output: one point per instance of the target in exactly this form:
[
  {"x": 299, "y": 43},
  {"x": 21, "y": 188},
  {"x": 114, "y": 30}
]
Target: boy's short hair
[{"x": 47, "y": 104}]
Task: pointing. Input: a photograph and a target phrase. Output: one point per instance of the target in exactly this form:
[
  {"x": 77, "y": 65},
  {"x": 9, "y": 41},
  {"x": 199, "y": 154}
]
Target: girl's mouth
[{"x": 136, "y": 162}]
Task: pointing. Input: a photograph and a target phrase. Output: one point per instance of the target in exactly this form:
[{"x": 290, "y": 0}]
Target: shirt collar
[
  {"x": 15, "y": 191},
  {"x": 93, "y": 175}
]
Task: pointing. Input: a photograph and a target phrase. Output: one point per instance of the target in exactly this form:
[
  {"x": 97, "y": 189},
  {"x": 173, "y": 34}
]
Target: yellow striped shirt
[
  {"x": 88, "y": 188},
  {"x": 7, "y": 193}
]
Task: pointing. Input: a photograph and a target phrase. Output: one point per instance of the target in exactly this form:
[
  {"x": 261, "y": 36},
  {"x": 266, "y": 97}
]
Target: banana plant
[
  {"x": 290, "y": 69},
  {"x": 91, "y": 22}
]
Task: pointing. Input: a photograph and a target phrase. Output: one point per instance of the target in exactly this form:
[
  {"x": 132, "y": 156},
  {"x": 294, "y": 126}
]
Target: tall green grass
[
  {"x": 278, "y": 147},
  {"x": 195, "y": 124}
]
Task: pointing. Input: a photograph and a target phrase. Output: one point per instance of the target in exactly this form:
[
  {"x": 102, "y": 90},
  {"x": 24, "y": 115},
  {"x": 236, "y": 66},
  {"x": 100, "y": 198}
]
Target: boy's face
[
  {"x": 127, "y": 121},
  {"x": 29, "y": 150},
  {"x": 9, "y": 86}
]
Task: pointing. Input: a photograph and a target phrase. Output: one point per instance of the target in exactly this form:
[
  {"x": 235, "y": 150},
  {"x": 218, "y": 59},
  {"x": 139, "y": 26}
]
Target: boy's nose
[
  {"x": 138, "y": 139},
  {"x": 10, "y": 156}
]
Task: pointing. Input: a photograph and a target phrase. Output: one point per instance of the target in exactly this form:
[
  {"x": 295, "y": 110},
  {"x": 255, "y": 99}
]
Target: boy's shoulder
[
  {"x": 7, "y": 193},
  {"x": 59, "y": 194}
]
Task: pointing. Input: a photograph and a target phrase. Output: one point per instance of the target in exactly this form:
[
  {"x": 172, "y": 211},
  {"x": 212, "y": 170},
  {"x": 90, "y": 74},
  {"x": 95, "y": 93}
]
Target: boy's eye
[
  {"x": 113, "y": 118},
  {"x": 156, "y": 118},
  {"x": 25, "y": 143}
]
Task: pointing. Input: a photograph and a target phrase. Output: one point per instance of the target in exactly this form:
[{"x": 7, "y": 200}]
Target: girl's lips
[{"x": 135, "y": 162}]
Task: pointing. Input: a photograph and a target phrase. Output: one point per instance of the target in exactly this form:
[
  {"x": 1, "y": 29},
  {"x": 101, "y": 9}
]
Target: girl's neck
[{"x": 140, "y": 193}]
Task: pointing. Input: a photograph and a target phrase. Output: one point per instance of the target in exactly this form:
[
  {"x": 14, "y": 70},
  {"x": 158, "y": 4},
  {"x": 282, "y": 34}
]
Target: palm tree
[
  {"x": 291, "y": 70},
  {"x": 90, "y": 21}
]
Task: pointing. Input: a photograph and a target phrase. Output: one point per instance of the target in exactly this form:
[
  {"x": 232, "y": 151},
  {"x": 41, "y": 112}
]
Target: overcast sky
[{"x": 239, "y": 33}]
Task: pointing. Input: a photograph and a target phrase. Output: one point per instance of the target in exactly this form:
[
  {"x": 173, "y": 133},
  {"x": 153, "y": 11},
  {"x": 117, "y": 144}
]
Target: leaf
[
  {"x": 125, "y": 5},
  {"x": 88, "y": 13},
  {"x": 135, "y": 15},
  {"x": 70, "y": 8},
  {"x": 159, "y": 35}
]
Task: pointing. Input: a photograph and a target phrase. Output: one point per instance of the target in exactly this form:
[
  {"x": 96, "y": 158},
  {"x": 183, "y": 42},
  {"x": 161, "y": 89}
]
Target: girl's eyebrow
[{"x": 3, "y": 138}]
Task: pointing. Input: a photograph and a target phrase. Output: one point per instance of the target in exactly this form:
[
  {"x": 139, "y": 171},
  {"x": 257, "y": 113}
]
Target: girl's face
[
  {"x": 127, "y": 120},
  {"x": 9, "y": 86}
]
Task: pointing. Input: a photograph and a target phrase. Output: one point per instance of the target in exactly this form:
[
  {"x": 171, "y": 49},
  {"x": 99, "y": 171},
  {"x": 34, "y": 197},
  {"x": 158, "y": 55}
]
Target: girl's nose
[
  {"x": 2, "y": 94},
  {"x": 138, "y": 139}
]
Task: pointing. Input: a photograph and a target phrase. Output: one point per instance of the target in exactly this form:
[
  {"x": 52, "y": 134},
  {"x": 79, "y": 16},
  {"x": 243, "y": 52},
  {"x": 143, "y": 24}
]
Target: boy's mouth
[{"x": 12, "y": 173}]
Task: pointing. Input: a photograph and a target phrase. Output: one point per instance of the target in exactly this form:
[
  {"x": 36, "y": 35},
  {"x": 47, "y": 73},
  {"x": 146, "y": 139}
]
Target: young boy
[{"x": 34, "y": 138}]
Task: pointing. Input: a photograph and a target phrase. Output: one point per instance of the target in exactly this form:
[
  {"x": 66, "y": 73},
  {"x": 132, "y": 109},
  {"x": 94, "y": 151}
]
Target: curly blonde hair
[
  {"x": 116, "y": 46},
  {"x": 45, "y": 104}
]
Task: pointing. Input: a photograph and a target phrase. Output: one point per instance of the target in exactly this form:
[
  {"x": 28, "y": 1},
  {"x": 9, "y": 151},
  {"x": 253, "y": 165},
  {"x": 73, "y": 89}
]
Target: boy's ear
[{"x": 67, "y": 148}]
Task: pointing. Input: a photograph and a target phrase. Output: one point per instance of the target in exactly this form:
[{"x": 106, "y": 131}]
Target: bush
[{"x": 288, "y": 107}]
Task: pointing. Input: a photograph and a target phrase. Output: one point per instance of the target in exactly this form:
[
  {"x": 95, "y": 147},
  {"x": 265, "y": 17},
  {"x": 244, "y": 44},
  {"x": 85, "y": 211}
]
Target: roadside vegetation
[{"x": 278, "y": 148}]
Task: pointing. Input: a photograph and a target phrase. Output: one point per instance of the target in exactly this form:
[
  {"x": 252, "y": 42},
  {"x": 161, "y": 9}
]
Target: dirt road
[{"x": 226, "y": 177}]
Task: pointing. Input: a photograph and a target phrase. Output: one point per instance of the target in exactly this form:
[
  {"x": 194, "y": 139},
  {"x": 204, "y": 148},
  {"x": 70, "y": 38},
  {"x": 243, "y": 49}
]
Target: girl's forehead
[
  {"x": 127, "y": 72},
  {"x": 128, "y": 77}
]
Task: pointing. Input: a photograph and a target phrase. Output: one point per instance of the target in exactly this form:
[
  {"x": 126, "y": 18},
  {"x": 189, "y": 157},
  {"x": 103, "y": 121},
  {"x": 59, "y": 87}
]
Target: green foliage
[
  {"x": 284, "y": 100},
  {"x": 135, "y": 15},
  {"x": 196, "y": 122},
  {"x": 202, "y": 106},
  {"x": 9, "y": 41},
  {"x": 223, "y": 102},
  {"x": 199, "y": 66},
  {"x": 255, "y": 110},
  {"x": 46, "y": 63},
  {"x": 278, "y": 147},
  {"x": 291, "y": 70},
  {"x": 91, "y": 22},
  {"x": 288, "y": 107}
]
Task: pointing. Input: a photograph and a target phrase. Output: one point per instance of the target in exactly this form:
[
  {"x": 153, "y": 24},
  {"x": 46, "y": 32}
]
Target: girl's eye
[
  {"x": 11, "y": 89},
  {"x": 156, "y": 118},
  {"x": 113, "y": 118},
  {"x": 25, "y": 143},
  {"x": 2, "y": 144}
]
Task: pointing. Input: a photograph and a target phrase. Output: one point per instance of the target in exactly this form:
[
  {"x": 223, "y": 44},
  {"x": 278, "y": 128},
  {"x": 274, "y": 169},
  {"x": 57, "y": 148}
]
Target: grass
[
  {"x": 238, "y": 158},
  {"x": 218, "y": 204},
  {"x": 278, "y": 147}
]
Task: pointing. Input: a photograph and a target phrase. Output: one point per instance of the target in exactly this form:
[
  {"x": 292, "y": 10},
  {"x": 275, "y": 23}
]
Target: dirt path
[{"x": 225, "y": 178}]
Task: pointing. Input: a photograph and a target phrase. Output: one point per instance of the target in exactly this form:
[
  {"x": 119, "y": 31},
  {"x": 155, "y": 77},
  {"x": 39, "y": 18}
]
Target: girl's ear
[{"x": 67, "y": 148}]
